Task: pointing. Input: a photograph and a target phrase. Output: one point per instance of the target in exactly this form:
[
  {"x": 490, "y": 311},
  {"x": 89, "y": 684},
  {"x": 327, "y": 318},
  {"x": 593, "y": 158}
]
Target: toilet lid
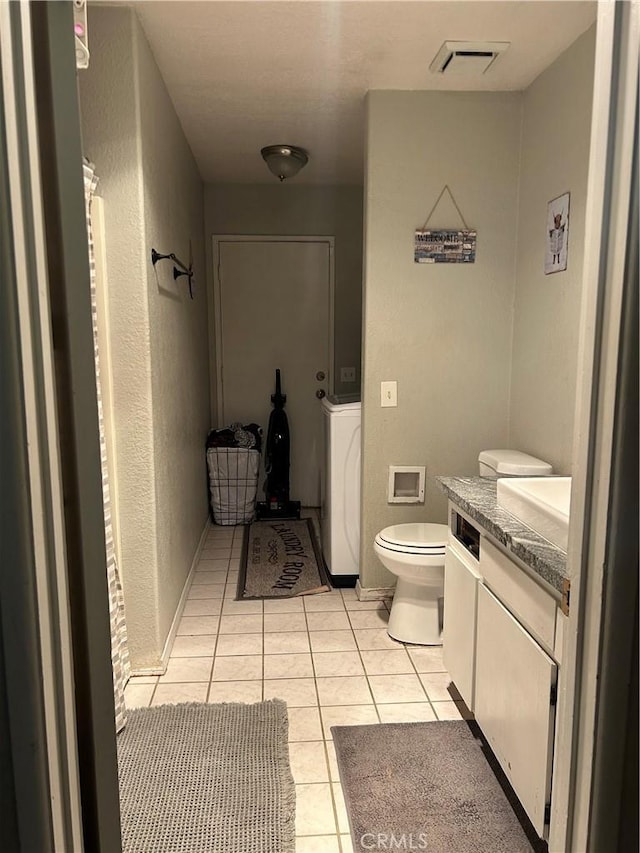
[{"x": 415, "y": 538}]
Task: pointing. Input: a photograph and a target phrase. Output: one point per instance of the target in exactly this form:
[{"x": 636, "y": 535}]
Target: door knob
[
  {"x": 320, "y": 393},
  {"x": 320, "y": 375}
]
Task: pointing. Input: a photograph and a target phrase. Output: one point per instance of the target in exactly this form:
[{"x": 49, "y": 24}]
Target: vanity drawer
[{"x": 534, "y": 606}]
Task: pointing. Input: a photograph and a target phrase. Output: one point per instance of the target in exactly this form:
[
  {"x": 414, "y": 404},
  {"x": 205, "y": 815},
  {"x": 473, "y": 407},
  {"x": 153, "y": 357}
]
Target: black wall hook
[
  {"x": 156, "y": 256},
  {"x": 178, "y": 270},
  {"x": 177, "y": 273}
]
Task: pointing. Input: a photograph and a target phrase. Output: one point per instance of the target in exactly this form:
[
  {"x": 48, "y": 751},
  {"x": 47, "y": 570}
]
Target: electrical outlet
[
  {"x": 347, "y": 374},
  {"x": 389, "y": 393}
]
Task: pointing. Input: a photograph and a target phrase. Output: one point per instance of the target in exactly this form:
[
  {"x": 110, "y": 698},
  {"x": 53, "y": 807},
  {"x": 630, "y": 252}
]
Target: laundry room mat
[
  {"x": 198, "y": 778},
  {"x": 430, "y": 784},
  {"x": 281, "y": 559}
]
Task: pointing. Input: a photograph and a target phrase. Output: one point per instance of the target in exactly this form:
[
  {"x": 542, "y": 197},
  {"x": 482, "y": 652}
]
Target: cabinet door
[
  {"x": 459, "y": 632},
  {"x": 514, "y": 678}
]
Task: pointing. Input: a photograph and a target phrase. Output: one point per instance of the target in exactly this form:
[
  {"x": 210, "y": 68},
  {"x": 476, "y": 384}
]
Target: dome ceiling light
[{"x": 285, "y": 161}]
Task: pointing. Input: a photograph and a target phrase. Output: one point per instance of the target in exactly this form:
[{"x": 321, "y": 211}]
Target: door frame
[
  {"x": 59, "y": 767},
  {"x": 215, "y": 312},
  {"x": 580, "y": 701}
]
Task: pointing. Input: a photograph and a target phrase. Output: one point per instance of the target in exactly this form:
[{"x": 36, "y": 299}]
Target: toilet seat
[
  {"x": 415, "y": 554},
  {"x": 420, "y": 539}
]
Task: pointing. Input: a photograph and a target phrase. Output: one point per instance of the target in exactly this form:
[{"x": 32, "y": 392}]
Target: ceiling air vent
[{"x": 467, "y": 57}]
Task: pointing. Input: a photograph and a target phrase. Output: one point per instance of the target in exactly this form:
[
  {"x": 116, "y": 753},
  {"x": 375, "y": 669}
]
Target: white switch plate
[
  {"x": 347, "y": 374},
  {"x": 389, "y": 393}
]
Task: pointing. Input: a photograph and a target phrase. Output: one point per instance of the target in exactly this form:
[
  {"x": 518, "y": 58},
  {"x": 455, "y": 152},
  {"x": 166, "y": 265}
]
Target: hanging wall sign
[
  {"x": 557, "y": 235},
  {"x": 444, "y": 245}
]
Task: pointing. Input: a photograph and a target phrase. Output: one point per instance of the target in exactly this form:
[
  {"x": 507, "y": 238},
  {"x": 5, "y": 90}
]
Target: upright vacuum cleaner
[{"x": 277, "y": 504}]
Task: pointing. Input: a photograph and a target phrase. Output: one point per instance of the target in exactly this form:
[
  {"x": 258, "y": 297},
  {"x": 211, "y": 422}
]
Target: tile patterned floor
[{"x": 328, "y": 656}]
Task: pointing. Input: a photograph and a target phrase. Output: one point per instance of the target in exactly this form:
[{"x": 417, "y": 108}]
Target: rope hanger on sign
[
  {"x": 455, "y": 204},
  {"x": 445, "y": 245}
]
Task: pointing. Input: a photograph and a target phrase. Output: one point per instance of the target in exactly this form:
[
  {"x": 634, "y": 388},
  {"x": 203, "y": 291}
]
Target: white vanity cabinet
[
  {"x": 515, "y": 703},
  {"x": 502, "y": 646}
]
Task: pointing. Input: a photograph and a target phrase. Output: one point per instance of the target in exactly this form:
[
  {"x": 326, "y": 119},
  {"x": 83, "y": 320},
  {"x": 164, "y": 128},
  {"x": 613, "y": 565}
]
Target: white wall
[
  {"x": 554, "y": 160},
  {"x": 442, "y": 331},
  {"x": 153, "y": 198},
  {"x": 287, "y": 209}
]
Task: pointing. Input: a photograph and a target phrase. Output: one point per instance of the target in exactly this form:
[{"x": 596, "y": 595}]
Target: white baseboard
[
  {"x": 373, "y": 593},
  {"x": 168, "y": 646},
  {"x": 147, "y": 670}
]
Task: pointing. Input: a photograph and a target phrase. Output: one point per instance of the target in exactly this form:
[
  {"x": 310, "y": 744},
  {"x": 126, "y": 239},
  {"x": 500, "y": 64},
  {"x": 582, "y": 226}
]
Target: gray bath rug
[
  {"x": 426, "y": 785},
  {"x": 281, "y": 559},
  {"x": 206, "y": 779}
]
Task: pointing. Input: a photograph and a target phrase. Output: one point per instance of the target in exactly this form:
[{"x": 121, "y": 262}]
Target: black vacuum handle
[{"x": 278, "y": 399}]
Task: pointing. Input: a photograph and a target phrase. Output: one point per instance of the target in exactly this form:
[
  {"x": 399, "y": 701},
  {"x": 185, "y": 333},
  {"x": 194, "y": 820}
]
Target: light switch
[{"x": 389, "y": 393}]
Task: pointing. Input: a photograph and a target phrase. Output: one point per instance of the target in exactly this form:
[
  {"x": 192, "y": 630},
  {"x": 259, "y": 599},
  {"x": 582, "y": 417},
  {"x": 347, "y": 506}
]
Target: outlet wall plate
[{"x": 347, "y": 374}]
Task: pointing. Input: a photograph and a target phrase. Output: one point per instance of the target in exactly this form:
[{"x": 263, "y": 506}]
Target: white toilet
[{"x": 415, "y": 554}]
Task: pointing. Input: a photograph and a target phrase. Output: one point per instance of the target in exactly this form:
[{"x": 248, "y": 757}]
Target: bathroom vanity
[{"x": 506, "y": 607}]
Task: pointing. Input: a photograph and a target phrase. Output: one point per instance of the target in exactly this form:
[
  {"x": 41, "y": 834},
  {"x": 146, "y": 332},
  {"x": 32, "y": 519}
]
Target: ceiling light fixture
[{"x": 284, "y": 161}]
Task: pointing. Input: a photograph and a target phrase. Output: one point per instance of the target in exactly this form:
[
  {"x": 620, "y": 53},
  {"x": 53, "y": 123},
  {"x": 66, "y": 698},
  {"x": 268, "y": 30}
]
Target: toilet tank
[{"x": 511, "y": 463}]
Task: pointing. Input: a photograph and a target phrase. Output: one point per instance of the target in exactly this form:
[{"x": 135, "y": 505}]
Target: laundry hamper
[{"x": 233, "y": 483}]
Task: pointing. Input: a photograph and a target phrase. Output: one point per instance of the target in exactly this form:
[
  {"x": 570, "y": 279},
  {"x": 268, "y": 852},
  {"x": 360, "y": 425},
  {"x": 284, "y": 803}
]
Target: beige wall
[
  {"x": 153, "y": 198},
  {"x": 484, "y": 355},
  {"x": 442, "y": 331},
  {"x": 554, "y": 160},
  {"x": 287, "y": 209}
]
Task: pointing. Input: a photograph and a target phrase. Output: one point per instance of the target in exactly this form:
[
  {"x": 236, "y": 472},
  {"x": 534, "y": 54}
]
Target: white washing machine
[{"x": 340, "y": 510}]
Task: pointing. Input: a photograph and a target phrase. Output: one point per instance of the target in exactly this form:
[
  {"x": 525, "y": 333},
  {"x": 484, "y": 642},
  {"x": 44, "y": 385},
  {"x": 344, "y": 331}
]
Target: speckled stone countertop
[{"x": 477, "y": 497}]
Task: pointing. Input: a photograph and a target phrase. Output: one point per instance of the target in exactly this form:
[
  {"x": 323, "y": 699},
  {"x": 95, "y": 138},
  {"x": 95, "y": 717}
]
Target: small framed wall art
[
  {"x": 557, "y": 234},
  {"x": 444, "y": 245}
]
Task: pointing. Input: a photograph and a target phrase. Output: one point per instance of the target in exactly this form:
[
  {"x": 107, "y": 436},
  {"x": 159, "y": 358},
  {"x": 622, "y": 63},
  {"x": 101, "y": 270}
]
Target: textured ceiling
[{"x": 245, "y": 74}]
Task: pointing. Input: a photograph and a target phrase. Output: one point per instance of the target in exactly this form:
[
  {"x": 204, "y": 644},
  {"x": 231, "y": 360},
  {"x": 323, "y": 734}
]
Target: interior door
[
  {"x": 274, "y": 312},
  {"x": 513, "y": 705}
]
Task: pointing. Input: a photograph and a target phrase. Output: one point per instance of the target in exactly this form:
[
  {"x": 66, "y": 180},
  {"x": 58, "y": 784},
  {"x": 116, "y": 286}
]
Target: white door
[{"x": 274, "y": 307}]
